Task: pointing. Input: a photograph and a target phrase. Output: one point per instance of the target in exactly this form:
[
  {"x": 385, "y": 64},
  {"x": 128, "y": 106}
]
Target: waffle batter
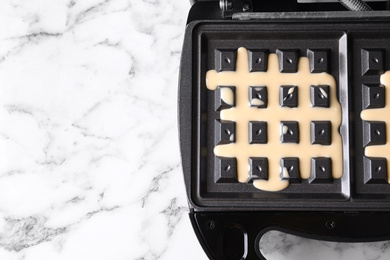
[
  {"x": 380, "y": 114},
  {"x": 274, "y": 150}
]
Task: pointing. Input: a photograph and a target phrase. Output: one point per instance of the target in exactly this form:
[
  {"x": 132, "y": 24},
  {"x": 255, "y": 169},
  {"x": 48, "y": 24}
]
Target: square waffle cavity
[
  {"x": 372, "y": 106},
  {"x": 278, "y": 121},
  {"x": 270, "y": 116}
]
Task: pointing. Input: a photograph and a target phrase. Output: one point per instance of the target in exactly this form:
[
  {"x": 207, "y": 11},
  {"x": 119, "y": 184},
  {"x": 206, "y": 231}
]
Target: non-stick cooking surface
[{"x": 306, "y": 86}]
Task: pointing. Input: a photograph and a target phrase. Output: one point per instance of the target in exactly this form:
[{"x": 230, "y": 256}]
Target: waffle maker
[{"x": 284, "y": 122}]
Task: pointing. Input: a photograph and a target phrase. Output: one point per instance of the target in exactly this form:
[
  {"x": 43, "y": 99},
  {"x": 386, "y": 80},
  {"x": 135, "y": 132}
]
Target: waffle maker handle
[{"x": 234, "y": 235}]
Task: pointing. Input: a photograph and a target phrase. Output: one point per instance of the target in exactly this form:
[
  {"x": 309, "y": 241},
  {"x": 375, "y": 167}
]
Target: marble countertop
[{"x": 89, "y": 156}]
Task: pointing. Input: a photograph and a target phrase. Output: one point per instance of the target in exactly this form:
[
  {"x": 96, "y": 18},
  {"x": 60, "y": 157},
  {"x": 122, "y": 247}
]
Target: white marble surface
[{"x": 89, "y": 156}]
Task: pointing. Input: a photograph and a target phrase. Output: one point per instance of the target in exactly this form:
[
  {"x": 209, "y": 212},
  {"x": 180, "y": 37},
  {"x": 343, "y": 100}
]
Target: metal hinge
[{"x": 229, "y": 7}]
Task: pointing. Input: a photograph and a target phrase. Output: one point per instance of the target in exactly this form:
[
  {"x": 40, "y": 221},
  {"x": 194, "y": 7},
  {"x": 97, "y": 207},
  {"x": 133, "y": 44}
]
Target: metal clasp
[{"x": 229, "y": 7}]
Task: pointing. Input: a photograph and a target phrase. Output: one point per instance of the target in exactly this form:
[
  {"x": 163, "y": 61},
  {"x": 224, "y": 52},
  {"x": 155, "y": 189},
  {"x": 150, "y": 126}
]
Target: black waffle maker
[{"x": 284, "y": 111}]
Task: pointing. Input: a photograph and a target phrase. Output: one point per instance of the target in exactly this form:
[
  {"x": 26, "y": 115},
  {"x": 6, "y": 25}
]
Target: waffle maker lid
[{"x": 228, "y": 217}]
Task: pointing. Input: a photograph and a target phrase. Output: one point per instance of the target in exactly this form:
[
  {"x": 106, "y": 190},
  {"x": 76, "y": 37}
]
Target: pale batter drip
[
  {"x": 380, "y": 114},
  {"x": 227, "y": 96},
  {"x": 274, "y": 150}
]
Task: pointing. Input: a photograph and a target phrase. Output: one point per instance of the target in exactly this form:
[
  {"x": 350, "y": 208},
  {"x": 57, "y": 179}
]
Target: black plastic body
[
  {"x": 212, "y": 229},
  {"x": 349, "y": 209}
]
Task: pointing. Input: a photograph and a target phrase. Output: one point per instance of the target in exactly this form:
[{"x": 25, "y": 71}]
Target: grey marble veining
[
  {"x": 89, "y": 156},
  {"x": 278, "y": 245}
]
